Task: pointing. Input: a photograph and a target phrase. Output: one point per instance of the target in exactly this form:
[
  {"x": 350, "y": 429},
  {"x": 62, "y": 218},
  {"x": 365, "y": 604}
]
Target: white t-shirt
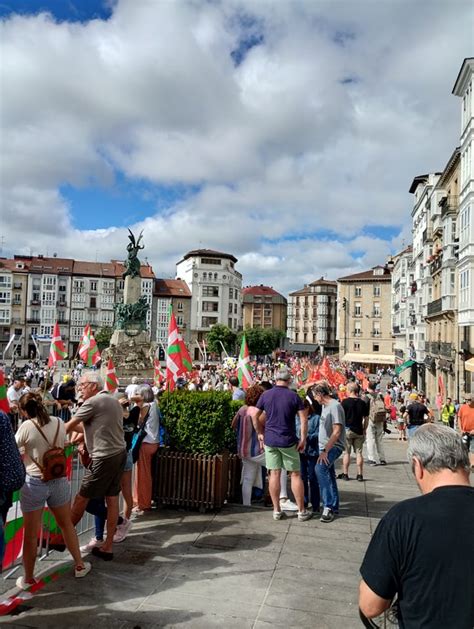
[
  {"x": 131, "y": 389},
  {"x": 13, "y": 395},
  {"x": 31, "y": 442}
]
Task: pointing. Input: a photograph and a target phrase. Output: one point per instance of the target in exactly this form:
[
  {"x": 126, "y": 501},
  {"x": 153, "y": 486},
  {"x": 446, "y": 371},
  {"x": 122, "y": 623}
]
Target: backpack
[
  {"x": 379, "y": 412},
  {"x": 54, "y": 459}
]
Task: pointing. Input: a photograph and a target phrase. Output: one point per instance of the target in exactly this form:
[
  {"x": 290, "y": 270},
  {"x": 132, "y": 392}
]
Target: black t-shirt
[
  {"x": 416, "y": 413},
  {"x": 130, "y": 425},
  {"x": 355, "y": 410},
  {"x": 423, "y": 549}
]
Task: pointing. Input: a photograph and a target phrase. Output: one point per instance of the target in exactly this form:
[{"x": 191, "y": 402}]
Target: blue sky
[{"x": 285, "y": 134}]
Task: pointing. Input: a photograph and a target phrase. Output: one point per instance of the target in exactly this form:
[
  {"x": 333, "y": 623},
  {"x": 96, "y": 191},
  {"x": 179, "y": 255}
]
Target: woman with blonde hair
[{"x": 38, "y": 435}]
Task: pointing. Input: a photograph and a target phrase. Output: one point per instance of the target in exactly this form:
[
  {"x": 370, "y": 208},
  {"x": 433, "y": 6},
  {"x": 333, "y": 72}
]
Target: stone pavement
[{"x": 235, "y": 568}]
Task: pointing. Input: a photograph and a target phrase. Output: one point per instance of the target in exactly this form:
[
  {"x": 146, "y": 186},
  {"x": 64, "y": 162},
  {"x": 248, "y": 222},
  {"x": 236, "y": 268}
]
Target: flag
[
  {"x": 57, "y": 351},
  {"x": 158, "y": 375},
  {"x": 245, "y": 373},
  {"x": 9, "y": 344},
  {"x": 88, "y": 350},
  {"x": 174, "y": 363},
  {"x": 186, "y": 362},
  {"x": 111, "y": 380},
  {"x": 4, "y": 405},
  {"x": 326, "y": 371}
]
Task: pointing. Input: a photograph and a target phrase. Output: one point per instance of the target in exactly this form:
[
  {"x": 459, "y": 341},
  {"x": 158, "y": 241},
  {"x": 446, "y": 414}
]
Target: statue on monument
[{"x": 132, "y": 263}]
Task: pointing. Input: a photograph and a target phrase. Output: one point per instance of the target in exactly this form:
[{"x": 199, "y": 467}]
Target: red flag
[
  {"x": 4, "y": 405},
  {"x": 326, "y": 371},
  {"x": 111, "y": 381},
  {"x": 186, "y": 361},
  {"x": 158, "y": 375},
  {"x": 245, "y": 372},
  {"x": 174, "y": 363},
  {"x": 57, "y": 351},
  {"x": 88, "y": 350}
]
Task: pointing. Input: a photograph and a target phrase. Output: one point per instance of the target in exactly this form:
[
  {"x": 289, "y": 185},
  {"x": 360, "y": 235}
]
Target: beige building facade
[
  {"x": 364, "y": 318},
  {"x": 264, "y": 307}
]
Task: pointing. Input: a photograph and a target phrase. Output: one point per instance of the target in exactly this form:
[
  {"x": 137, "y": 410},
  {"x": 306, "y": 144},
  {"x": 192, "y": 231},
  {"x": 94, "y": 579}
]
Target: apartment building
[
  {"x": 42, "y": 290},
  {"x": 13, "y": 295},
  {"x": 364, "y": 317},
  {"x": 401, "y": 289},
  {"x": 441, "y": 344},
  {"x": 312, "y": 317},
  {"x": 264, "y": 307},
  {"x": 174, "y": 293},
  {"x": 463, "y": 88},
  {"x": 215, "y": 286}
]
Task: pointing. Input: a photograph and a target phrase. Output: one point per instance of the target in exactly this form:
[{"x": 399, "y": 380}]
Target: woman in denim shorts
[{"x": 35, "y": 493}]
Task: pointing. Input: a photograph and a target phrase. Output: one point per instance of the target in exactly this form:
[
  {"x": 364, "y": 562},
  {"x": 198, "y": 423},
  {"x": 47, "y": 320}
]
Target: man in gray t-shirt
[{"x": 331, "y": 446}]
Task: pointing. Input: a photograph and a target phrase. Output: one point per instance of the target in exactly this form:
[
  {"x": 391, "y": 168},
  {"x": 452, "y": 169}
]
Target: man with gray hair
[
  {"x": 100, "y": 418},
  {"x": 423, "y": 548}
]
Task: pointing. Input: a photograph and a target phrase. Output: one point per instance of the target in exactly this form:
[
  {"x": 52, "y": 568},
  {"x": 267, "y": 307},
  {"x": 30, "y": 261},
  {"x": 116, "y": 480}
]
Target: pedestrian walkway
[{"x": 235, "y": 568}]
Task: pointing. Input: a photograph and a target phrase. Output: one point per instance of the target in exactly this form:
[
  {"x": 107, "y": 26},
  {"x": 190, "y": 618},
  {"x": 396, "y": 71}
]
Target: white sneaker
[
  {"x": 122, "y": 531},
  {"x": 81, "y": 571},
  {"x": 23, "y": 585},
  {"x": 87, "y": 548},
  {"x": 287, "y": 505},
  {"x": 277, "y": 515}
]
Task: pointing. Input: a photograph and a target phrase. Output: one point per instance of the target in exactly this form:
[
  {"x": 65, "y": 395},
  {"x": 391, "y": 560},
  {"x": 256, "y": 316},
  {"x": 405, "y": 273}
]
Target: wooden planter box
[{"x": 195, "y": 481}]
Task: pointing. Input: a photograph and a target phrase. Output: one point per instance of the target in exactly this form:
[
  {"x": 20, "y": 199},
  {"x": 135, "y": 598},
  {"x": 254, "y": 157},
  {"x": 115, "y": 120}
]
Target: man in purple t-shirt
[{"x": 277, "y": 432}]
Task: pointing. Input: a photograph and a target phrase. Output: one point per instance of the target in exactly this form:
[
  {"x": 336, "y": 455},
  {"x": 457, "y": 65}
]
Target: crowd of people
[{"x": 281, "y": 432}]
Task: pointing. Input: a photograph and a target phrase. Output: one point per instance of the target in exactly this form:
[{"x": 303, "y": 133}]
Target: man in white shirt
[
  {"x": 14, "y": 393},
  {"x": 131, "y": 389}
]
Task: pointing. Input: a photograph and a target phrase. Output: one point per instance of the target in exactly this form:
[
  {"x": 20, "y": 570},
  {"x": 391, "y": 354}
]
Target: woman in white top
[
  {"x": 36, "y": 492},
  {"x": 149, "y": 418}
]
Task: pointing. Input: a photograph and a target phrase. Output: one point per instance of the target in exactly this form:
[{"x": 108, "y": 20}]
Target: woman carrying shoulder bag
[
  {"x": 146, "y": 441},
  {"x": 42, "y": 438}
]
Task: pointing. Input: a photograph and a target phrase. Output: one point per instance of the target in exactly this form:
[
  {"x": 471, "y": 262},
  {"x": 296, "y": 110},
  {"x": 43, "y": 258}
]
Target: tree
[
  {"x": 218, "y": 334},
  {"x": 103, "y": 336},
  {"x": 262, "y": 341}
]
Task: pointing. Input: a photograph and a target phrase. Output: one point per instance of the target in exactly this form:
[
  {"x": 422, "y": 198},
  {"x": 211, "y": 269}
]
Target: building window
[
  {"x": 358, "y": 291},
  {"x": 465, "y": 224},
  {"x": 357, "y": 347},
  {"x": 375, "y": 347},
  {"x": 179, "y": 320},
  {"x": 210, "y": 291},
  {"x": 215, "y": 261},
  {"x": 121, "y": 284},
  {"x": 5, "y": 297},
  {"x": 357, "y": 330},
  {"x": 376, "y": 311},
  {"x": 210, "y": 306},
  {"x": 464, "y": 286},
  {"x": 93, "y": 285},
  {"x": 179, "y": 306},
  {"x": 357, "y": 309},
  {"x": 208, "y": 321},
  {"x": 93, "y": 302},
  {"x": 4, "y": 315},
  {"x": 377, "y": 290},
  {"x": 78, "y": 286},
  {"x": 231, "y": 294}
]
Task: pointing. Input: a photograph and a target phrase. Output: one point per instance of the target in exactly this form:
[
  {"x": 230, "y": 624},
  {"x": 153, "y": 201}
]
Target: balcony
[
  {"x": 61, "y": 304},
  {"x": 357, "y": 332},
  {"x": 435, "y": 307},
  {"x": 449, "y": 204},
  {"x": 376, "y": 314},
  {"x": 446, "y": 349},
  {"x": 396, "y": 329},
  {"x": 33, "y": 320},
  {"x": 34, "y": 302},
  {"x": 357, "y": 315},
  {"x": 376, "y": 333},
  {"x": 17, "y": 285},
  {"x": 432, "y": 347},
  {"x": 436, "y": 263}
]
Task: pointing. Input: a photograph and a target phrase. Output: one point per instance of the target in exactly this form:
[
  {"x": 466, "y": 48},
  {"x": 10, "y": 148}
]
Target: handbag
[
  {"x": 12, "y": 470},
  {"x": 138, "y": 437}
]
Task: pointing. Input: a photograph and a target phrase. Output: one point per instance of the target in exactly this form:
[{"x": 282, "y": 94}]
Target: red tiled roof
[
  {"x": 41, "y": 264},
  {"x": 171, "y": 288},
  {"x": 259, "y": 290},
  {"x": 98, "y": 269},
  {"x": 368, "y": 276}
]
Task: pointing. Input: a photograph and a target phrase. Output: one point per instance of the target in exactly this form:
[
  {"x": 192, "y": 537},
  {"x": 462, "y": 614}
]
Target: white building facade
[{"x": 401, "y": 289}]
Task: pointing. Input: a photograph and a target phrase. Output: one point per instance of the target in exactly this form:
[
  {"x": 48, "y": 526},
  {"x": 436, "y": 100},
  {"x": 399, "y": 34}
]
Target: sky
[{"x": 286, "y": 133}]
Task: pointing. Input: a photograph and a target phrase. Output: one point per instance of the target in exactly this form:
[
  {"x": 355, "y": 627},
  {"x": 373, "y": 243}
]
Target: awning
[
  {"x": 469, "y": 365},
  {"x": 373, "y": 359},
  {"x": 403, "y": 366}
]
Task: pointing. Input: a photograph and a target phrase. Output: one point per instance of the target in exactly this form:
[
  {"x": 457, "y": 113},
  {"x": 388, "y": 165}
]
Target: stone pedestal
[
  {"x": 132, "y": 356},
  {"x": 132, "y": 290}
]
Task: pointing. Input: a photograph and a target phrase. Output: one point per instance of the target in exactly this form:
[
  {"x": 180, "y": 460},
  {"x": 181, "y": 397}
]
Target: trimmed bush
[{"x": 198, "y": 422}]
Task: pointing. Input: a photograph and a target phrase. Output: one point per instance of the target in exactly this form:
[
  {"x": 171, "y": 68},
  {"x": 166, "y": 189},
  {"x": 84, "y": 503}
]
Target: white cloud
[{"x": 278, "y": 145}]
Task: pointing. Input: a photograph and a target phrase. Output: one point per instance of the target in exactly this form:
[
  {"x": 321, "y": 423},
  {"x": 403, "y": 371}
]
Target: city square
[{"x": 237, "y": 314}]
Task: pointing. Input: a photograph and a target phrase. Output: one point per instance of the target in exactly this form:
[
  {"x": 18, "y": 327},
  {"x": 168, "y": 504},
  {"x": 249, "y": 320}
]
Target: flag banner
[
  {"x": 158, "y": 373},
  {"x": 186, "y": 362},
  {"x": 111, "y": 380},
  {"x": 88, "y": 350},
  {"x": 174, "y": 364},
  {"x": 244, "y": 371},
  {"x": 57, "y": 351}
]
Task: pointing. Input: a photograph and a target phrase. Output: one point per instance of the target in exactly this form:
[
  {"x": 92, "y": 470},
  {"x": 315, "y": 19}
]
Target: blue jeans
[
  {"x": 412, "y": 430},
  {"x": 310, "y": 480},
  {"x": 98, "y": 508},
  {"x": 327, "y": 480}
]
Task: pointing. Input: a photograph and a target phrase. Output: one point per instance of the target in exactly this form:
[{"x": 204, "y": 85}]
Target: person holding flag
[
  {"x": 57, "y": 351},
  {"x": 88, "y": 350},
  {"x": 244, "y": 370}
]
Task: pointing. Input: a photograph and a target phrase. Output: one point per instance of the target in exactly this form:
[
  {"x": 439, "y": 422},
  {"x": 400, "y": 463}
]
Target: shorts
[
  {"x": 35, "y": 494},
  {"x": 103, "y": 476},
  {"x": 128, "y": 462},
  {"x": 282, "y": 458},
  {"x": 354, "y": 442}
]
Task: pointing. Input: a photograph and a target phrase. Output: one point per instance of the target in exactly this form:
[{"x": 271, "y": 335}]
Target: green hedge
[{"x": 199, "y": 422}]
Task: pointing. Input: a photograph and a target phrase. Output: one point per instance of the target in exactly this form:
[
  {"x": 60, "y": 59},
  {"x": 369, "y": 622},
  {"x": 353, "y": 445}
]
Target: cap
[{"x": 283, "y": 374}]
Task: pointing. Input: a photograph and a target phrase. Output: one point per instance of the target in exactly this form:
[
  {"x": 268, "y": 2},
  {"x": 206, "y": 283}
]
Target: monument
[{"x": 130, "y": 346}]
